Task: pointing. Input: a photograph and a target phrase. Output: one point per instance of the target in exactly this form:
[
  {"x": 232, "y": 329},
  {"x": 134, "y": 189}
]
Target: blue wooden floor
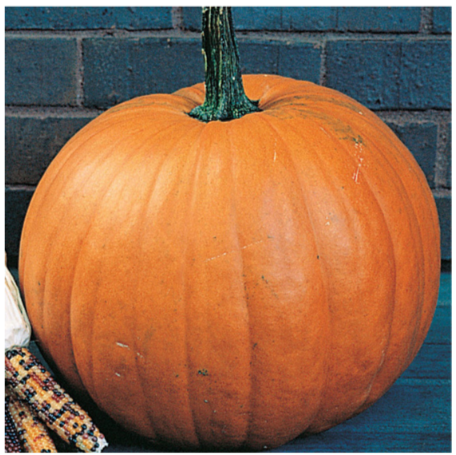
[{"x": 413, "y": 416}]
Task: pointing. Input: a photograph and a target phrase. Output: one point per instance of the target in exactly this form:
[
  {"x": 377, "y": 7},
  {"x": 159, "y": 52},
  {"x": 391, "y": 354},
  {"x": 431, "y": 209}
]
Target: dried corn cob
[
  {"x": 31, "y": 382},
  {"x": 12, "y": 444},
  {"x": 32, "y": 434}
]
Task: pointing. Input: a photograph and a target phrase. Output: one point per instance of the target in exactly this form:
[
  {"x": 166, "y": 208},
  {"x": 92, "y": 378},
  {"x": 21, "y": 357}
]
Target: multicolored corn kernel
[
  {"x": 12, "y": 444},
  {"x": 32, "y": 434},
  {"x": 30, "y": 380}
]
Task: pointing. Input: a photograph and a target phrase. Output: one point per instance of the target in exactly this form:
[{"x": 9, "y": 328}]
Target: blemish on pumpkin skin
[
  {"x": 232, "y": 251},
  {"x": 123, "y": 345},
  {"x": 359, "y": 150}
]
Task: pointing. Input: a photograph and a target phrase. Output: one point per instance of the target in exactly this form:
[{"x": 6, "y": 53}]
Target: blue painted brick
[
  {"x": 77, "y": 18},
  {"x": 191, "y": 18},
  {"x": 309, "y": 19},
  {"x": 300, "y": 61},
  {"x": 441, "y": 22},
  {"x": 366, "y": 19},
  {"x": 257, "y": 57},
  {"x": 392, "y": 74},
  {"x": 244, "y": 18},
  {"x": 16, "y": 204},
  {"x": 117, "y": 69},
  {"x": 40, "y": 71},
  {"x": 365, "y": 70},
  {"x": 379, "y": 19},
  {"x": 31, "y": 143},
  {"x": 271, "y": 18},
  {"x": 443, "y": 202},
  {"x": 421, "y": 140},
  {"x": 257, "y": 18},
  {"x": 425, "y": 78},
  {"x": 289, "y": 18},
  {"x": 291, "y": 59}
]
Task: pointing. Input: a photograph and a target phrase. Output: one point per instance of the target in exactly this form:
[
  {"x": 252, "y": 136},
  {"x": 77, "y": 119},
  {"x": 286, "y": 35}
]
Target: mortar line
[
  {"x": 177, "y": 17},
  {"x": 426, "y": 22},
  {"x": 323, "y": 68},
  {"x": 79, "y": 74},
  {"x": 442, "y": 155},
  {"x": 273, "y": 35},
  {"x": 51, "y": 111},
  {"x": 398, "y": 116}
]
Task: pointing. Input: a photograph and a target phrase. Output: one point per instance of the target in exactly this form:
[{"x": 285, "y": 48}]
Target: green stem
[{"x": 225, "y": 96}]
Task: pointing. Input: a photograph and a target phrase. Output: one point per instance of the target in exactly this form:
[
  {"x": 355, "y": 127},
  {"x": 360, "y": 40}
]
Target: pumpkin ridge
[
  {"x": 333, "y": 138},
  {"x": 143, "y": 236},
  {"x": 83, "y": 240},
  {"x": 406, "y": 159},
  {"x": 50, "y": 246},
  {"x": 137, "y": 110},
  {"x": 412, "y": 216},
  {"x": 172, "y": 131},
  {"x": 324, "y": 272},
  {"x": 190, "y": 211},
  {"x": 432, "y": 220},
  {"x": 88, "y": 356},
  {"x": 280, "y": 92},
  {"x": 420, "y": 178},
  {"x": 368, "y": 402},
  {"x": 269, "y": 122},
  {"x": 394, "y": 285},
  {"x": 402, "y": 191},
  {"x": 241, "y": 255},
  {"x": 344, "y": 146},
  {"x": 403, "y": 160}
]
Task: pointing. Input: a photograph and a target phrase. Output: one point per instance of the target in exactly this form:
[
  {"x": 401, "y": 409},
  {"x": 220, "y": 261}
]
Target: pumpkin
[{"x": 232, "y": 284}]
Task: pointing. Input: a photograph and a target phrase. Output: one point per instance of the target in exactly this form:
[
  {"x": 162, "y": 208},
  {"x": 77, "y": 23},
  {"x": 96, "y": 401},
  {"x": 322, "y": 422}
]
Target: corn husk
[{"x": 17, "y": 325}]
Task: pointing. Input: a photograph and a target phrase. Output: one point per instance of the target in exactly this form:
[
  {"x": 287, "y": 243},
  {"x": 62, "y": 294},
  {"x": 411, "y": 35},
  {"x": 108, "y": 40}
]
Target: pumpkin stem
[{"x": 225, "y": 96}]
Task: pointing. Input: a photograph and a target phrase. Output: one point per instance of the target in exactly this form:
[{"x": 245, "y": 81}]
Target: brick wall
[{"x": 65, "y": 65}]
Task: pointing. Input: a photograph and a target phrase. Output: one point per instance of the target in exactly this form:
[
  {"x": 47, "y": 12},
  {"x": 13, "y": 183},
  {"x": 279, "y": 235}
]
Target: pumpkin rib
[
  {"x": 149, "y": 104},
  {"x": 417, "y": 241},
  {"x": 144, "y": 276},
  {"x": 405, "y": 196},
  {"x": 84, "y": 239},
  {"x": 404, "y": 188},
  {"x": 344, "y": 146},
  {"x": 412, "y": 221},
  {"x": 141, "y": 237},
  {"x": 51, "y": 246},
  {"x": 432, "y": 220},
  {"x": 394, "y": 285},
  {"x": 191, "y": 210},
  {"x": 279, "y": 90},
  {"x": 148, "y": 403},
  {"x": 208, "y": 335},
  {"x": 422, "y": 271},
  {"x": 88, "y": 357},
  {"x": 138, "y": 368},
  {"x": 241, "y": 255},
  {"x": 318, "y": 158},
  {"x": 269, "y": 121}
]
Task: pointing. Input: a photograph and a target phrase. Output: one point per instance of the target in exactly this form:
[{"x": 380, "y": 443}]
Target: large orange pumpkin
[{"x": 232, "y": 284}]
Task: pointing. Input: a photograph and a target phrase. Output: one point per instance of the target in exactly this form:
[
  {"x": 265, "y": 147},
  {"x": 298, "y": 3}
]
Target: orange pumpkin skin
[{"x": 232, "y": 284}]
